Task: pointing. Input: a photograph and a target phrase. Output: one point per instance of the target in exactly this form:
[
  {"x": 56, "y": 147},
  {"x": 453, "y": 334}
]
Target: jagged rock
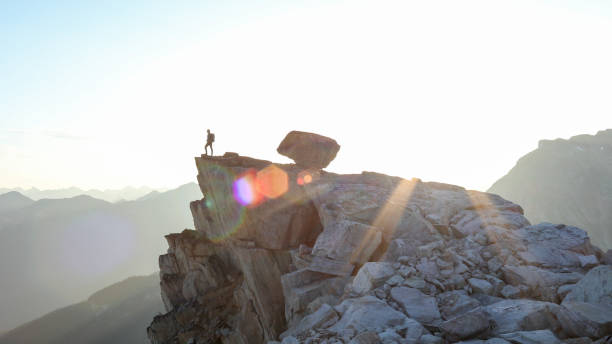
[
  {"x": 195, "y": 284},
  {"x": 308, "y": 149},
  {"x": 426, "y": 250},
  {"x": 364, "y": 213},
  {"x": 415, "y": 282},
  {"x": 607, "y": 258},
  {"x": 520, "y": 315},
  {"x": 314, "y": 305},
  {"x": 528, "y": 315},
  {"x": 444, "y": 265},
  {"x": 414, "y": 330},
  {"x": 348, "y": 241},
  {"x": 554, "y": 246},
  {"x": 591, "y": 299},
  {"x": 469, "y": 222},
  {"x": 511, "y": 292},
  {"x": 563, "y": 290},
  {"x": 497, "y": 283},
  {"x": 531, "y": 337},
  {"x": 405, "y": 260},
  {"x": 473, "y": 258},
  {"x": 485, "y": 299},
  {"x": 395, "y": 280},
  {"x": 248, "y": 272},
  {"x": 278, "y": 223},
  {"x": 372, "y": 275},
  {"x": 455, "y": 282},
  {"x": 542, "y": 284},
  {"x": 454, "y": 303},
  {"x": 290, "y": 340},
  {"x": 172, "y": 287},
  {"x": 401, "y": 250},
  {"x": 480, "y": 286},
  {"x": 428, "y": 268},
  {"x": 597, "y": 318},
  {"x": 494, "y": 264},
  {"x": 581, "y": 340},
  {"x": 221, "y": 277},
  {"x": 324, "y": 317},
  {"x": 163, "y": 328},
  {"x": 303, "y": 286},
  {"x": 430, "y": 339},
  {"x": 329, "y": 266},
  {"x": 168, "y": 265},
  {"x": 389, "y": 336},
  {"x": 488, "y": 341},
  {"x": 588, "y": 262},
  {"x": 368, "y": 314},
  {"x": 366, "y": 338},
  {"x": 417, "y": 305},
  {"x": 466, "y": 325},
  {"x": 595, "y": 287}
]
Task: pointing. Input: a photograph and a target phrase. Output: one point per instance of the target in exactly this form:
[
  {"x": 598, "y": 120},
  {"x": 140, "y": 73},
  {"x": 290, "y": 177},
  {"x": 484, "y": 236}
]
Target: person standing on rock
[{"x": 210, "y": 138}]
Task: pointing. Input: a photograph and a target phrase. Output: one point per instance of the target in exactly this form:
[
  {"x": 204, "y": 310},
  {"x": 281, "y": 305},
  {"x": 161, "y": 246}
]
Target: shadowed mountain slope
[
  {"x": 116, "y": 314},
  {"x": 566, "y": 181}
]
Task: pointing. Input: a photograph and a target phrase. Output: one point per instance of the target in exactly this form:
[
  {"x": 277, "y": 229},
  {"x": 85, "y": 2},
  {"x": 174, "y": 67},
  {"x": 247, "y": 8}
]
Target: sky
[{"x": 117, "y": 93}]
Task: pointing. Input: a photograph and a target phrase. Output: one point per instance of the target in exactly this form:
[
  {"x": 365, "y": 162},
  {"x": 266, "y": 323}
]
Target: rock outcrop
[
  {"x": 308, "y": 149},
  {"x": 299, "y": 255}
]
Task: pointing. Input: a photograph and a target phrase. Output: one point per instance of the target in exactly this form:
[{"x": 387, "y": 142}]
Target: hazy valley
[
  {"x": 55, "y": 252},
  {"x": 118, "y": 314}
]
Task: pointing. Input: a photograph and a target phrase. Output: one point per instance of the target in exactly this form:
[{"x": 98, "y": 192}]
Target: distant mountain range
[
  {"x": 118, "y": 314},
  {"x": 13, "y": 200},
  {"x": 110, "y": 195},
  {"x": 55, "y": 252},
  {"x": 566, "y": 181}
]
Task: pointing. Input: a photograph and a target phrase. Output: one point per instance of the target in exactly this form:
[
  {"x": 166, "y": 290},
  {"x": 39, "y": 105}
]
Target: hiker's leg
[{"x": 211, "y": 150}]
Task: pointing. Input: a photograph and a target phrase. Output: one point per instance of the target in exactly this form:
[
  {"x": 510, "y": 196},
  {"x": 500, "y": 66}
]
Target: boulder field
[{"x": 290, "y": 253}]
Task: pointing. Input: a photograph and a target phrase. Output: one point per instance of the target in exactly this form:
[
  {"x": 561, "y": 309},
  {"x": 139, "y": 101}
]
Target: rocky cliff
[
  {"x": 296, "y": 254},
  {"x": 566, "y": 181}
]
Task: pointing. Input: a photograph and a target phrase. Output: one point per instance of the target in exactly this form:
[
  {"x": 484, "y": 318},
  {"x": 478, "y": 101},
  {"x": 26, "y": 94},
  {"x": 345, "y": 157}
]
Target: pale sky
[{"x": 110, "y": 94}]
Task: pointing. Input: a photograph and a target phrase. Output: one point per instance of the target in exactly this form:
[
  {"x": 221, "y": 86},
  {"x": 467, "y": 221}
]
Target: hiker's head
[{"x": 208, "y": 131}]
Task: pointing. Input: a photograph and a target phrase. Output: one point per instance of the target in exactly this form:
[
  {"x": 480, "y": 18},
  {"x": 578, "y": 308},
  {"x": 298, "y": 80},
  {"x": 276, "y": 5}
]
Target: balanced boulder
[{"x": 308, "y": 149}]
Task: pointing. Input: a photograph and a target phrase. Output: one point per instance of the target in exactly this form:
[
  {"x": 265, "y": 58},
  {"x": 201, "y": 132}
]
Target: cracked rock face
[{"x": 369, "y": 258}]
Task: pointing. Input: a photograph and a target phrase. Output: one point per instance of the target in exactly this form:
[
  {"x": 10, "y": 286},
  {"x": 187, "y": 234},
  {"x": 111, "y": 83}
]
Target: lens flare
[
  {"x": 272, "y": 182},
  {"x": 245, "y": 190},
  {"x": 304, "y": 178},
  {"x": 307, "y": 178},
  {"x": 244, "y": 193}
]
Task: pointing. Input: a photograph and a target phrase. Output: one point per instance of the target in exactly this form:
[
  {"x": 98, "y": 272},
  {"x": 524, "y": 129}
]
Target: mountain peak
[
  {"x": 297, "y": 254},
  {"x": 13, "y": 200},
  {"x": 566, "y": 181}
]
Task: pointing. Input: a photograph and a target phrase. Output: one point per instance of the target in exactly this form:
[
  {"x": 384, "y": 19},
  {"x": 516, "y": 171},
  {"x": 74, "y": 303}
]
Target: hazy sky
[{"x": 113, "y": 93}]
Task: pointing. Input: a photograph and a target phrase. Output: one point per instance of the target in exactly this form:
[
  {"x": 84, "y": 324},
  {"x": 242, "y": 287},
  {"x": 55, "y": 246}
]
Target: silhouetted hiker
[{"x": 210, "y": 138}]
